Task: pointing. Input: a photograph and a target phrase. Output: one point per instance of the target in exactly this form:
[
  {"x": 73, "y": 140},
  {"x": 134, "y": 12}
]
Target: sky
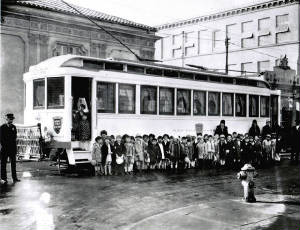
[{"x": 156, "y": 12}]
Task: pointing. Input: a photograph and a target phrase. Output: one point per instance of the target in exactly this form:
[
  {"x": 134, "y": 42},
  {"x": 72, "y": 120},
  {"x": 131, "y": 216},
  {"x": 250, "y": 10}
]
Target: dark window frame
[
  {"x": 268, "y": 106},
  {"x": 258, "y": 112}
]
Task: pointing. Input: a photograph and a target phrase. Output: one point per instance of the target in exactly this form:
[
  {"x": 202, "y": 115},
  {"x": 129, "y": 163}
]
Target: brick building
[{"x": 32, "y": 31}]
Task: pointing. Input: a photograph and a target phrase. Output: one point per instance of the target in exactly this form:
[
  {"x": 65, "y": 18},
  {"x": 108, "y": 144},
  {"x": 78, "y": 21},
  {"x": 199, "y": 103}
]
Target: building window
[
  {"x": 282, "y": 28},
  {"x": 126, "y": 98},
  {"x": 189, "y": 44},
  {"x": 39, "y": 94},
  {"x": 231, "y": 31},
  {"x": 204, "y": 42},
  {"x": 183, "y": 102},
  {"x": 240, "y": 105},
  {"x": 166, "y": 101},
  {"x": 148, "y": 99},
  {"x": 218, "y": 42},
  {"x": 68, "y": 48},
  {"x": 263, "y": 66},
  {"x": 213, "y": 104},
  {"x": 264, "y": 23},
  {"x": 247, "y": 35},
  {"x": 177, "y": 45},
  {"x": 253, "y": 106},
  {"x": 55, "y": 92},
  {"x": 227, "y": 104},
  {"x": 105, "y": 97},
  {"x": 264, "y": 106},
  {"x": 264, "y": 37},
  {"x": 199, "y": 100},
  {"x": 247, "y": 67}
]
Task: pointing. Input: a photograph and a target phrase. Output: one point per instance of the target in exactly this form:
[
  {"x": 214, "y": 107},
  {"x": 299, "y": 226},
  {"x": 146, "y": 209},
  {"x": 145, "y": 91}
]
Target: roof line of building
[
  {"x": 227, "y": 13},
  {"x": 58, "y": 6}
]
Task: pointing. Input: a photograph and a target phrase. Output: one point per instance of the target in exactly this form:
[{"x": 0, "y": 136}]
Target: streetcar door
[{"x": 81, "y": 107}]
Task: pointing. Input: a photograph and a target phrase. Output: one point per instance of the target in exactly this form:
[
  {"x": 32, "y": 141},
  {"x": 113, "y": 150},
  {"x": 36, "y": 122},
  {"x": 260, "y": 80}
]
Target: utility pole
[{"x": 226, "y": 50}]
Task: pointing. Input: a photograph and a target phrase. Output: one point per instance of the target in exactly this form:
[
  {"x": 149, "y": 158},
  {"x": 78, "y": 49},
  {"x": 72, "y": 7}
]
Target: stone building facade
[
  {"x": 260, "y": 35},
  {"x": 32, "y": 31}
]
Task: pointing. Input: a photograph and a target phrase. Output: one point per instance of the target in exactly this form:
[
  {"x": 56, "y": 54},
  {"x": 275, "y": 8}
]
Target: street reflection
[
  {"x": 26, "y": 174},
  {"x": 43, "y": 214}
]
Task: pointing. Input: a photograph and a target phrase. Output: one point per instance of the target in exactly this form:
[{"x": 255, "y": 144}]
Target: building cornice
[{"x": 228, "y": 13}]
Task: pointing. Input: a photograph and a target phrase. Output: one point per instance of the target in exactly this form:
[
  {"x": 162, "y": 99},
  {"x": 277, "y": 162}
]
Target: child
[
  {"x": 106, "y": 156},
  {"x": 129, "y": 155},
  {"x": 230, "y": 148},
  {"x": 222, "y": 149},
  {"x": 186, "y": 153},
  {"x": 161, "y": 162},
  {"x": 210, "y": 150},
  {"x": 153, "y": 151},
  {"x": 216, "y": 153},
  {"x": 175, "y": 152},
  {"x": 119, "y": 151},
  {"x": 201, "y": 151},
  {"x": 257, "y": 151},
  {"x": 139, "y": 153},
  {"x": 97, "y": 155},
  {"x": 238, "y": 152},
  {"x": 247, "y": 151},
  {"x": 267, "y": 149},
  {"x": 190, "y": 144}
]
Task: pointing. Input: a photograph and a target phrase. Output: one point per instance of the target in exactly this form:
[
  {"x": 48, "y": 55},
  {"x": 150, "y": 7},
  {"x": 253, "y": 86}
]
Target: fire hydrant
[{"x": 246, "y": 175}]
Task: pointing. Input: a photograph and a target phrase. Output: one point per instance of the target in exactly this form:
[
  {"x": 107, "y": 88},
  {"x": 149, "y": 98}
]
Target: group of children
[{"x": 124, "y": 154}]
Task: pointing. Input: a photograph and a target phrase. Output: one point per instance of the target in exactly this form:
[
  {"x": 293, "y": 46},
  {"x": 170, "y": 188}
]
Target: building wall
[
  {"x": 30, "y": 35},
  {"x": 259, "y": 36}
]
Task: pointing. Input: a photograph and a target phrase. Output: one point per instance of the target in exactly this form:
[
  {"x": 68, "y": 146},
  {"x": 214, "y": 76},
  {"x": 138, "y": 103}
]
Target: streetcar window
[
  {"x": 55, "y": 92},
  {"x": 148, "y": 99},
  {"x": 227, "y": 104},
  {"x": 113, "y": 66},
  {"x": 213, "y": 104},
  {"x": 199, "y": 100},
  {"x": 183, "y": 102},
  {"x": 200, "y": 77},
  {"x": 154, "y": 71},
  {"x": 240, "y": 105},
  {"x": 93, "y": 65},
  {"x": 215, "y": 78},
  {"x": 228, "y": 80},
  {"x": 39, "y": 94},
  {"x": 166, "y": 101},
  {"x": 135, "y": 69},
  {"x": 126, "y": 98},
  {"x": 264, "y": 106},
  {"x": 105, "y": 97},
  {"x": 253, "y": 106},
  {"x": 187, "y": 75},
  {"x": 170, "y": 73}
]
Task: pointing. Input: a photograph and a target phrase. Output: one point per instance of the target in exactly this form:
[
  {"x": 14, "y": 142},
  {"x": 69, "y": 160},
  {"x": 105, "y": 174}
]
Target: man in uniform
[{"x": 8, "y": 142}]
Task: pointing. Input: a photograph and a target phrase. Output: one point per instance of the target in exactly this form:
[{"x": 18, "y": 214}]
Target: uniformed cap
[{"x": 10, "y": 116}]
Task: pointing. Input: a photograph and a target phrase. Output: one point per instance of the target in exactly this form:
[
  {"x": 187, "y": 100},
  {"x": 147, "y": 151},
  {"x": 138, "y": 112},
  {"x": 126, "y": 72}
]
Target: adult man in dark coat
[
  {"x": 8, "y": 141},
  {"x": 295, "y": 142},
  {"x": 222, "y": 129}
]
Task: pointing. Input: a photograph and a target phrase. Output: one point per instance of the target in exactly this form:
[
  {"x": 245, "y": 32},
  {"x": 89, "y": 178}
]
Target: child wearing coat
[
  {"x": 97, "y": 155},
  {"x": 129, "y": 155}
]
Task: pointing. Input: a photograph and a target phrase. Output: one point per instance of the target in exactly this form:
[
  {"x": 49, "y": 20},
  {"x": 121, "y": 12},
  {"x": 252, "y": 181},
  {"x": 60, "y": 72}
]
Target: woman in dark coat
[{"x": 254, "y": 130}]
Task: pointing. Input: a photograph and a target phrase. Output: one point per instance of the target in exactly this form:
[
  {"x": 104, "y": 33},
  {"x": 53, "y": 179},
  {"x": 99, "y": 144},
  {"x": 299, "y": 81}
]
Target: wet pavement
[{"x": 45, "y": 200}]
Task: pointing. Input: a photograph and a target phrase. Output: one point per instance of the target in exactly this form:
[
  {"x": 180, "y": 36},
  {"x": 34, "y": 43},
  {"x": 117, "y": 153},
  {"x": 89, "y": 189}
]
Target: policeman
[{"x": 8, "y": 141}]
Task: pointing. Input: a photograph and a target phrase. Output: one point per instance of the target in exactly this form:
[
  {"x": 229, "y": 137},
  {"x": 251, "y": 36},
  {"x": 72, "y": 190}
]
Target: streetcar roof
[{"x": 78, "y": 62}]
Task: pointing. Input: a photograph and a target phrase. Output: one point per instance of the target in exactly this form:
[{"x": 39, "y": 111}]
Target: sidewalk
[{"x": 274, "y": 212}]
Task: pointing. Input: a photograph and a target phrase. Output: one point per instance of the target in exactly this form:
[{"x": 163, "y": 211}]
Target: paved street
[{"x": 194, "y": 200}]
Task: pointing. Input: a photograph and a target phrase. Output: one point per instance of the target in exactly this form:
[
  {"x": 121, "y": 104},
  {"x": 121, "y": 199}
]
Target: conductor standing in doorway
[{"x": 8, "y": 141}]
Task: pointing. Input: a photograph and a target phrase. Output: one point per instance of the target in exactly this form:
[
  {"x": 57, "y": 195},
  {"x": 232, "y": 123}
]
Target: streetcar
[{"x": 127, "y": 97}]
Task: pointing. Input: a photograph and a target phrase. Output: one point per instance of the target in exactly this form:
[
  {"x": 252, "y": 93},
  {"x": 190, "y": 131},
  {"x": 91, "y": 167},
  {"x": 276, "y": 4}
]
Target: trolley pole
[{"x": 226, "y": 50}]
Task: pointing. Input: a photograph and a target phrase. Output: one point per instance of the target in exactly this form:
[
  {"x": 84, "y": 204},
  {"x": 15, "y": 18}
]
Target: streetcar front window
[
  {"x": 55, "y": 92},
  {"x": 39, "y": 94}
]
